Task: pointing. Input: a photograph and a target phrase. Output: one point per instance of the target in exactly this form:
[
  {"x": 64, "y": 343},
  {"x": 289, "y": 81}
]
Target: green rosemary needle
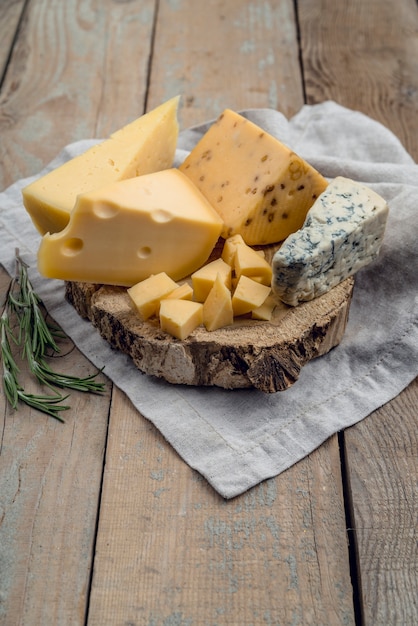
[
  {"x": 36, "y": 337},
  {"x": 49, "y": 404}
]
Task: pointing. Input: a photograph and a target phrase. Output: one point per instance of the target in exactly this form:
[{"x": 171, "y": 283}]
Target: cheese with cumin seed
[{"x": 261, "y": 189}]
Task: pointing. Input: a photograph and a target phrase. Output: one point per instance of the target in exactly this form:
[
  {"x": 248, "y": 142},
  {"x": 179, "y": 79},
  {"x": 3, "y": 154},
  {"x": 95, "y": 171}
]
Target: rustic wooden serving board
[{"x": 250, "y": 353}]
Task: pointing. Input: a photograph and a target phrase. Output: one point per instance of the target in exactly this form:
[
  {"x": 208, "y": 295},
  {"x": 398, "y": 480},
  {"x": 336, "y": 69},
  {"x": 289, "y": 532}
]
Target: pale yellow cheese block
[
  {"x": 146, "y": 294},
  {"x": 145, "y": 145},
  {"x": 248, "y": 295},
  {"x": 229, "y": 247},
  {"x": 181, "y": 292},
  {"x": 260, "y": 187},
  {"x": 247, "y": 262},
  {"x": 179, "y": 318},
  {"x": 204, "y": 278},
  {"x": 122, "y": 233},
  {"x": 217, "y": 308},
  {"x": 265, "y": 311}
]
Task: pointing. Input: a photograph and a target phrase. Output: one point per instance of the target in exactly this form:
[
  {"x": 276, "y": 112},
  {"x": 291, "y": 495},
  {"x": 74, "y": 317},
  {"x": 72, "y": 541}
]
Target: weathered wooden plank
[
  {"x": 170, "y": 550},
  {"x": 10, "y": 14},
  {"x": 364, "y": 56},
  {"x": 226, "y": 54},
  {"x": 50, "y": 476},
  {"x": 67, "y": 79},
  {"x": 382, "y": 464},
  {"x": 71, "y": 76}
]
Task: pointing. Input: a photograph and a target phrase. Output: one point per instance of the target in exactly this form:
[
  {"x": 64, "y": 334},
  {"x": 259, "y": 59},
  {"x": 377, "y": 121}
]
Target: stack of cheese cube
[{"x": 235, "y": 284}]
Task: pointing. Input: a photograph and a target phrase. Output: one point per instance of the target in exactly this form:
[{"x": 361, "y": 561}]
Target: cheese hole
[
  {"x": 72, "y": 246},
  {"x": 105, "y": 211},
  {"x": 161, "y": 216},
  {"x": 144, "y": 252}
]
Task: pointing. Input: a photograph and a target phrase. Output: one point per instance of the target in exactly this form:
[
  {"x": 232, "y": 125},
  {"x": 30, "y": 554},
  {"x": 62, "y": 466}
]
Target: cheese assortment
[
  {"x": 342, "y": 233},
  {"x": 145, "y": 145},
  {"x": 261, "y": 189},
  {"x": 160, "y": 297},
  {"x": 126, "y": 231},
  {"x": 120, "y": 214}
]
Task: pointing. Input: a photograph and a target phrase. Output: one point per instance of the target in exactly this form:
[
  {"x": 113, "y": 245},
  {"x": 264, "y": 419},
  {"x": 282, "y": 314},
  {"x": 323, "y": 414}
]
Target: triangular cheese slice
[{"x": 144, "y": 146}]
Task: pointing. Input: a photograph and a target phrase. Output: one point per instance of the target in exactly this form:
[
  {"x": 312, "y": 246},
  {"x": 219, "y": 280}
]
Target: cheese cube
[
  {"x": 265, "y": 311},
  {"x": 248, "y": 262},
  {"x": 204, "y": 278},
  {"x": 146, "y": 295},
  {"x": 260, "y": 187},
  {"x": 248, "y": 295},
  {"x": 217, "y": 308},
  {"x": 182, "y": 292},
  {"x": 122, "y": 233},
  {"x": 145, "y": 145},
  {"x": 179, "y": 318},
  {"x": 229, "y": 247}
]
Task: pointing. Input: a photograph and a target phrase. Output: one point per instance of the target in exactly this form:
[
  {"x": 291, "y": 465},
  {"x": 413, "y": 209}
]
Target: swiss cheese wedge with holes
[{"x": 122, "y": 233}]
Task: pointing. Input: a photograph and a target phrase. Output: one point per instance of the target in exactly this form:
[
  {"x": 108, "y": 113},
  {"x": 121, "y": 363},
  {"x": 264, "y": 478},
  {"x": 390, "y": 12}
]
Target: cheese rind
[
  {"x": 123, "y": 233},
  {"x": 144, "y": 146},
  {"x": 260, "y": 187},
  {"x": 342, "y": 233}
]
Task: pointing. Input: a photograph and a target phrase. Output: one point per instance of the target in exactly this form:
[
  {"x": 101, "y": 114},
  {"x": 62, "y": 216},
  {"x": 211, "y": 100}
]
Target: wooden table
[{"x": 101, "y": 523}]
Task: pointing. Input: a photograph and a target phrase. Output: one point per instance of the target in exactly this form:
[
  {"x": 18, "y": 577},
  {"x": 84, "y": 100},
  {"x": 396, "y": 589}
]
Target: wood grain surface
[
  {"x": 221, "y": 54},
  {"x": 100, "y": 521},
  {"x": 50, "y": 478},
  {"x": 381, "y": 457},
  {"x": 364, "y": 57}
]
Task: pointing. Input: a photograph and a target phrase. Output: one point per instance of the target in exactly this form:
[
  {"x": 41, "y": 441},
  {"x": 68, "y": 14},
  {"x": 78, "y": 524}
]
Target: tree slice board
[{"x": 250, "y": 353}]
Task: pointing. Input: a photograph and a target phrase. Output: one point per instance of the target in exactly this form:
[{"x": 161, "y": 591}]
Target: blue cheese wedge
[{"x": 342, "y": 233}]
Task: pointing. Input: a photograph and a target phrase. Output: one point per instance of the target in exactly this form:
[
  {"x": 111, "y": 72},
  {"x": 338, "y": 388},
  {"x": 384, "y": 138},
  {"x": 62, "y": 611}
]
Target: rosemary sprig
[
  {"x": 22, "y": 309},
  {"x": 49, "y": 404}
]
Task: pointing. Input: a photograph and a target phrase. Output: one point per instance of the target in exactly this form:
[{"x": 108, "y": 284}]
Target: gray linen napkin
[{"x": 238, "y": 438}]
